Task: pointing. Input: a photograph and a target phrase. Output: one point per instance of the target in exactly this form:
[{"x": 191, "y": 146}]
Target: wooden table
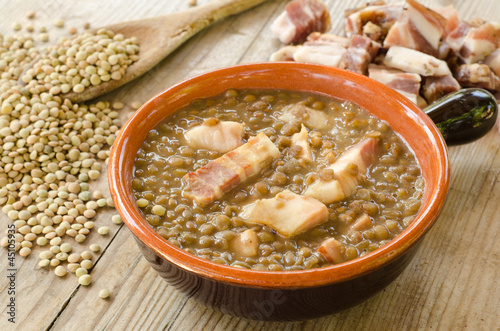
[{"x": 452, "y": 284}]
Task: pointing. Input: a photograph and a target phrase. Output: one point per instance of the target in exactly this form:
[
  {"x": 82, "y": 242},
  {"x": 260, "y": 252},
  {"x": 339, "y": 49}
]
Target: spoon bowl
[{"x": 157, "y": 38}]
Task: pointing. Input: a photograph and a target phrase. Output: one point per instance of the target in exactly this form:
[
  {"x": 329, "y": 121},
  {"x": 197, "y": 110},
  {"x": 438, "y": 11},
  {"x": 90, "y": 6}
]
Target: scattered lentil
[
  {"x": 104, "y": 293},
  {"x": 85, "y": 280}
]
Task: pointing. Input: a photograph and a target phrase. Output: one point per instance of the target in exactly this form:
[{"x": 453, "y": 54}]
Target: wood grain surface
[{"x": 452, "y": 284}]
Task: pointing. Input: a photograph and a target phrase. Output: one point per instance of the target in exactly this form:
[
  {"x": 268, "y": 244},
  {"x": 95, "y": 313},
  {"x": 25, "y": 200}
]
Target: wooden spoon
[{"x": 158, "y": 37}]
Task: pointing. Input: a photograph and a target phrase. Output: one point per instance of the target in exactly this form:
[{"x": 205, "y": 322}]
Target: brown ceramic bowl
[{"x": 284, "y": 295}]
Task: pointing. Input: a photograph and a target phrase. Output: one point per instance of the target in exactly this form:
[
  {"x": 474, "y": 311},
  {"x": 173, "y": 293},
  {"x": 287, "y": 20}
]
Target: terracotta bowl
[{"x": 284, "y": 295}]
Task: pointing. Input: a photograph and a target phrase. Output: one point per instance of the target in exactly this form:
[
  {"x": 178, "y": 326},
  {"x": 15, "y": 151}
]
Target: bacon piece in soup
[
  {"x": 245, "y": 244},
  {"x": 332, "y": 250},
  {"x": 299, "y": 142},
  {"x": 300, "y": 113},
  {"x": 215, "y": 135},
  {"x": 348, "y": 170},
  {"x": 221, "y": 175},
  {"x": 288, "y": 213}
]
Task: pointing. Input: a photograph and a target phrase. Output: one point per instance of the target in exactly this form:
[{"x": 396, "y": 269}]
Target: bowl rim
[{"x": 277, "y": 279}]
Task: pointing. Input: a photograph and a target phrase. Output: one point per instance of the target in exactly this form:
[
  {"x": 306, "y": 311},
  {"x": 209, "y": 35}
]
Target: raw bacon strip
[
  {"x": 407, "y": 84},
  {"x": 345, "y": 179},
  {"x": 288, "y": 213},
  {"x": 300, "y": 18},
  {"x": 300, "y": 113},
  {"x": 322, "y": 48},
  {"x": 359, "y": 54},
  {"x": 493, "y": 61},
  {"x": 321, "y": 54},
  {"x": 474, "y": 44},
  {"x": 437, "y": 87},
  {"x": 299, "y": 140},
  {"x": 228, "y": 171},
  {"x": 410, "y": 60},
  {"x": 451, "y": 16},
  {"x": 222, "y": 136},
  {"x": 477, "y": 75},
  {"x": 317, "y": 38},
  {"x": 382, "y": 15},
  {"x": 332, "y": 250},
  {"x": 418, "y": 27}
]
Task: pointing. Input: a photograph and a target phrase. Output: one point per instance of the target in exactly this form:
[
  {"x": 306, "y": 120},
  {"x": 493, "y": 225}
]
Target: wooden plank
[{"x": 452, "y": 283}]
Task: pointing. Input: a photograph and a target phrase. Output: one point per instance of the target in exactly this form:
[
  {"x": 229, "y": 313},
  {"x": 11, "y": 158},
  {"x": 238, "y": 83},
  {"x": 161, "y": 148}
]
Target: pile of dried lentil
[{"x": 52, "y": 148}]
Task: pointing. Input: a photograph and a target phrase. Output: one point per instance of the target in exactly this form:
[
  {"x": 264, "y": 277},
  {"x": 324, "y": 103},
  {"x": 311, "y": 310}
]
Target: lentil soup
[{"x": 269, "y": 211}]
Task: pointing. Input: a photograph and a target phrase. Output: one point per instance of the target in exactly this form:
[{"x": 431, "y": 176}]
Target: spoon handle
[{"x": 464, "y": 116}]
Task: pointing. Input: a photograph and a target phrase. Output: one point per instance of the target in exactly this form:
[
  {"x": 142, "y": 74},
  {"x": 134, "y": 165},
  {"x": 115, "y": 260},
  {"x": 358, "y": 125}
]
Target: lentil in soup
[{"x": 276, "y": 180}]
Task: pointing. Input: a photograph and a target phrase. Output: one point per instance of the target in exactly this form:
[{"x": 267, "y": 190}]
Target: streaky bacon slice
[
  {"x": 477, "y": 75},
  {"x": 300, "y": 18},
  {"x": 221, "y": 175},
  {"x": 411, "y": 60},
  {"x": 418, "y": 27},
  {"x": 221, "y": 137},
  {"x": 288, "y": 213},
  {"x": 451, "y": 15},
  {"x": 320, "y": 48},
  {"x": 332, "y": 250},
  {"x": 345, "y": 180},
  {"x": 378, "y": 14},
  {"x": 493, "y": 61},
  {"x": 437, "y": 87},
  {"x": 359, "y": 54},
  {"x": 407, "y": 84},
  {"x": 474, "y": 43}
]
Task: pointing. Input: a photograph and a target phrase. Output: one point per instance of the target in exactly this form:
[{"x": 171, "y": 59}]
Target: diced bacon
[
  {"x": 455, "y": 38},
  {"x": 437, "y": 87},
  {"x": 474, "y": 44},
  {"x": 221, "y": 137},
  {"x": 493, "y": 61},
  {"x": 477, "y": 75},
  {"x": 410, "y": 60},
  {"x": 299, "y": 140},
  {"x": 373, "y": 31},
  {"x": 245, "y": 244},
  {"x": 345, "y": 180},
  {"x": 221, "y": 175},
  {"x": 300, "y": 113},
  {"x": 451, "y": 15},
  {"x": 383, "y": 16},
  {"x": 418, "y": 27},
  {"x": 332, "y": 250},
  {"x": 320, "y": 54},
  {"x": 285, "y": 53},
  {"x": 359, "y": 54},
  {"x": 322, "y": 48},
  {"x": 407, "y": 84},
  {"x": 317, "y": 38},
  {"x": 288, "y": 213},
  {"x": 300, "y": 18},
  {"x": 363, "y": 222}
]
